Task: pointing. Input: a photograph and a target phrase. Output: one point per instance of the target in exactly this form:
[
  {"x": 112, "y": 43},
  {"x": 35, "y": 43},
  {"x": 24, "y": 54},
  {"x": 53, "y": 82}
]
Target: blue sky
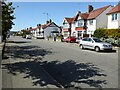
[{"x": 32, "y": 13}]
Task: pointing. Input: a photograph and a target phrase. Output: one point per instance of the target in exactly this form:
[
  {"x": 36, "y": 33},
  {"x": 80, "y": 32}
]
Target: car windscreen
[{"x": 97, "y": 40}]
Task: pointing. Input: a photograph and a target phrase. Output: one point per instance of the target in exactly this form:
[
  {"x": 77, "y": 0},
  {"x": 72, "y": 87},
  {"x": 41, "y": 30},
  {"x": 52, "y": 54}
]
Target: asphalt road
[{"x": 40, "y": 63}]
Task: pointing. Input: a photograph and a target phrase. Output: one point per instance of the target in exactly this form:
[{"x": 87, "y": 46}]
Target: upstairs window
[
  {"x": 80, "y": 23},
  {"x": 114, "y": 16},
  {"x": 91, "y": 22}
]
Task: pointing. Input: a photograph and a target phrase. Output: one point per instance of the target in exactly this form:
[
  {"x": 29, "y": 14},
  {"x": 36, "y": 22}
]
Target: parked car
[
  {"x": 28, "y": 37},
  {"x": 78, "y": 39},
  {"x": 40, "y": 37},
  {"x": 70, "y": 39},
  {"x": 24, "y": 36},
  {"x": 94, "y": 43}
]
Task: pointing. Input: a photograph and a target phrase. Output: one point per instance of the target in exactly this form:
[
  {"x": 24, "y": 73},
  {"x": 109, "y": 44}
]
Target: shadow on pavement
[
  {"x": 104, "y": 51},
  {"x": 68, "y": 73},
  {"x": 26, "y": 52},
  {"x": 18, "y": 42}
]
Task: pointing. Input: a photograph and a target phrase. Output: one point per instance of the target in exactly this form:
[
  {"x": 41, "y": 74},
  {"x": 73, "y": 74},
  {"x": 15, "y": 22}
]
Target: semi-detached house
[
  {"x": 86, "y": 23},
  {"x": 114, "y": 17},
  {"x": 97, "y": 19},
  {"x": 45, "y": 30}
]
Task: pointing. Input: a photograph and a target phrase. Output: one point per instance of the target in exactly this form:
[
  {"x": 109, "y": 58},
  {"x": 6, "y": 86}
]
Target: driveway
[{"x": 46, "y": 64}]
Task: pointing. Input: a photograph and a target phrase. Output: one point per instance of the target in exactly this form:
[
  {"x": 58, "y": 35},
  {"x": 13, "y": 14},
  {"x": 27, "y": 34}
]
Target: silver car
[{"x": 94, "y": 43}]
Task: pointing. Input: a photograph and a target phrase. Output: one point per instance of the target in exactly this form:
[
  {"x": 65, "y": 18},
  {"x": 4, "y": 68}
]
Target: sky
[{"x": 29, "y": 14}]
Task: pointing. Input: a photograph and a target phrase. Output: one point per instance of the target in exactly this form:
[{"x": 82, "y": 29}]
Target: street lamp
[{"x": 46, "y": 15}]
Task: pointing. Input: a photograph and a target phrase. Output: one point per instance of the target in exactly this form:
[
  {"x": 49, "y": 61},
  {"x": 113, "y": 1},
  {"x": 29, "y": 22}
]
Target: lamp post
[{"x": 46, "y": 15}]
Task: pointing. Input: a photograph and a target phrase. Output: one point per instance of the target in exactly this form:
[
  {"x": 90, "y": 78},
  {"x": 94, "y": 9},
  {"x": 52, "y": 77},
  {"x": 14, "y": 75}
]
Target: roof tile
[
  {"x": 115, "y": 9},
  {"x": 97, "y": 12}
]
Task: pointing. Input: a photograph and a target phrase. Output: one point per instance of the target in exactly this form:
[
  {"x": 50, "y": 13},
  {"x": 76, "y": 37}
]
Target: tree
[{"x": 7, "y": 17}]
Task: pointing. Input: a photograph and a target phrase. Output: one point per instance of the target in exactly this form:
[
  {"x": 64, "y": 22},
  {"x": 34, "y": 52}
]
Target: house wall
[
  {"x": 66, "y": 25},
  {"x": 102, "y": 19},
  {"x": 37, "y": 32},
  {"x": 119, "y": 20},
  {"x": 91, "y": 28},
  {"x": 72, "y": 28},
  {"x": 74, "y": 25},
  {"x": 48, "y": 30},
  {"x": 113, "y": 24}
]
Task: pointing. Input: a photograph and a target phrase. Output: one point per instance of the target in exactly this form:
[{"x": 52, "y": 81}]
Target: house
[
  {"x": 33, "y": 32},
  {"x": 51, "y": 29},
  {"x": 114, "y": 17},
  {"x": 86, "y": 23},
  {"x": 66, "y": 28},
  {"x": 79, "y": 24},
  {"x": 48, "y": 29},
  {"x": 97, "y": 19}
]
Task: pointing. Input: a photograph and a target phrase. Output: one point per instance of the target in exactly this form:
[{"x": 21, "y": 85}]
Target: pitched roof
[
  {"x": 69, "y": 20},
  {"x": 97, "y": 12},
  {"x": 83, "y": 16},
  {"x": 34, "y": 29},
  {"x": 46, "y": 25},
  {"x": 115, "y": 9}
]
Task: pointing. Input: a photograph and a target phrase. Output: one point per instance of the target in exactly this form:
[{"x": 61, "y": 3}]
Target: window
[
  {"x": 85, "y": 39},
  {"x": 80, "y": 23},
  {"x": 114, "y": 16},
  {"x": 91, "y": 22}
]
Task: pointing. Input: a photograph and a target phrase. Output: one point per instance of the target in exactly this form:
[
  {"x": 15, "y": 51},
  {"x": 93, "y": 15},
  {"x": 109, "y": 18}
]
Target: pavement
[
  {"x": 1, "y": 45},
  {"x": 59, "y": 65}
]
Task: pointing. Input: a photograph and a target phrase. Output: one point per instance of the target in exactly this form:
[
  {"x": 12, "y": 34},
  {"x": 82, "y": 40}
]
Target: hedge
[{"x": 107, "y": 33}]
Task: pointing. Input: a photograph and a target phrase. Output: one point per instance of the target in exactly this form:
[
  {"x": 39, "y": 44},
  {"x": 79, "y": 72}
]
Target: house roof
[
  {"x": 115, "y": 9},
  {"x": 34, "y": 29},
  {"x": 47, "y": 25},
  {"x": 69, "y": 20},
  {"x": 97, "y": 12},
  {"x": 83, "y": 16},
  {"x": 38, "y": 26}
]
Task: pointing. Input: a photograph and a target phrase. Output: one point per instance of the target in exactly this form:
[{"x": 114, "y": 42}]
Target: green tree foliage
[
  {"x": 24, "y": 32},
  {"x": 7, "y": 17}
]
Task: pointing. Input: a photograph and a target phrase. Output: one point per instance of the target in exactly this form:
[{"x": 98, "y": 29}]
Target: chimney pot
[{"x": 90, "y": 8}]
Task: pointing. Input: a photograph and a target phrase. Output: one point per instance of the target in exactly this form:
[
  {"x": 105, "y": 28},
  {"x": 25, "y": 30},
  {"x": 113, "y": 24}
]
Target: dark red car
[{"x": 70, "y": 39}]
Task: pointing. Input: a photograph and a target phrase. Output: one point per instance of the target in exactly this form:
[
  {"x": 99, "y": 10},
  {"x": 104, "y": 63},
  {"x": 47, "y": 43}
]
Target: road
[{"x": 36, "y": 63}]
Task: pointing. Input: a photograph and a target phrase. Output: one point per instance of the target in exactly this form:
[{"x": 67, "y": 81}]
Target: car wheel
[
  {"x": 81, "y": 46},
  {"x": 97, "y": 49}
]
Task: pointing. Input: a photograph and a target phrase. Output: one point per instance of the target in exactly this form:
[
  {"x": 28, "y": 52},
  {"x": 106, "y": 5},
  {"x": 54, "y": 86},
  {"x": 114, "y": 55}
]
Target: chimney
[
  {"x": 39, "y": 24},
  {"x": 90, "y": 8},
  {"x": 47, "y": 22},
  {"x": 50, "y": 21},
  {"x": 78, "y": 12}
]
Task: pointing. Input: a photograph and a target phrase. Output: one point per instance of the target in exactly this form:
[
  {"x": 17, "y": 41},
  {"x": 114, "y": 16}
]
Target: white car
[
  {"x": 78, "y": 40},
  {"x": 40, "y": 37},
  {"x": 94, "y": 43},
  {"x": 28, "y": 37}
]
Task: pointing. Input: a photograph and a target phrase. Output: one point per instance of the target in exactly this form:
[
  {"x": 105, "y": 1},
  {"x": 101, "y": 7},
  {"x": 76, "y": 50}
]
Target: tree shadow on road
[
  {"x": 69, "y": 73},
  {"x": 18, "y": 42},
  {"x": 26, "y": 52}
]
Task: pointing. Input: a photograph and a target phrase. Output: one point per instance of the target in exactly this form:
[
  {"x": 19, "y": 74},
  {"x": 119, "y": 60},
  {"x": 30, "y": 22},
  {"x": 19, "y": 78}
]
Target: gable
[{"x": 51, "y": 25}]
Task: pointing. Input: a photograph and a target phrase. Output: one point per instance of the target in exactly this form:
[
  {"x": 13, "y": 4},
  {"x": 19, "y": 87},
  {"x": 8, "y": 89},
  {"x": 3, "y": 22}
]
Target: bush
[
  {"x": 99, "y": 33},
  {"x": 59, "y": 37},
  {"x": 107, "y": 33}
]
